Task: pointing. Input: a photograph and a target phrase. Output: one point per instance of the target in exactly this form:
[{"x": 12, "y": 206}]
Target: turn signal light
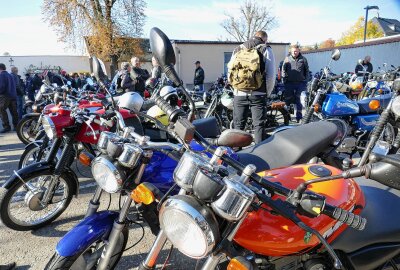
[
  {"x": 142, "y": 194},
  {"x": 85, "y": 159},
  {"x": 239, "y": 263},
  {"x": 316, "y": 108},
  {"x": 374, "y": 104}
]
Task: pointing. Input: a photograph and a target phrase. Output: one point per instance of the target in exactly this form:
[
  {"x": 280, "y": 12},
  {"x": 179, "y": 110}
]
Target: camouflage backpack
[{"x": 245, "y": 71}]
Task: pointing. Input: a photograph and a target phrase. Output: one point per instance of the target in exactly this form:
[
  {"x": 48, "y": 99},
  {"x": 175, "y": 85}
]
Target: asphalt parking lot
[{"x": 33, "y": 249}]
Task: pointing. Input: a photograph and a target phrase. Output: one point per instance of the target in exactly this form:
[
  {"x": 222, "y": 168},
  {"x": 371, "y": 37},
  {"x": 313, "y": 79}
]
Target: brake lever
[{"x": 89, "y": 122}]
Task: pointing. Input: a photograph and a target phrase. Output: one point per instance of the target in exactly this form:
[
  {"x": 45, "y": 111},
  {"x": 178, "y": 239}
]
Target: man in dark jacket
[
  {"x": 138, "y": 75},
  {"x": 295, "y": 73},
  {"x": 199, "y": 76},
  {"x": 127, "y": 83},
  {"x": 19, "y": 85},
  {"x": 29, "y": 87},
  {"x": 36, "y": 82},
  {"x": 255, "y": 101},
  {"x": 8, "y": 99},
  {"x": 365, "y": 65}
]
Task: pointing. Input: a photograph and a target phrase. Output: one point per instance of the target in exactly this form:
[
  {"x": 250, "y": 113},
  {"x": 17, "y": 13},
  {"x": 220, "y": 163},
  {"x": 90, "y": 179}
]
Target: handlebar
[{"x": 352, "y": 220}]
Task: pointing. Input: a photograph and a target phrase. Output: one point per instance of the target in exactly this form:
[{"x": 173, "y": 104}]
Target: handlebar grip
[
  {"x": 352, "y": 220},
  {"x": 173, "y": 113}
]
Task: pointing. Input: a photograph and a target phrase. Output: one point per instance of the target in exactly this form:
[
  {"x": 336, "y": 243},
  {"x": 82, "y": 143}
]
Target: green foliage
[{"x": 356, "y": 32}]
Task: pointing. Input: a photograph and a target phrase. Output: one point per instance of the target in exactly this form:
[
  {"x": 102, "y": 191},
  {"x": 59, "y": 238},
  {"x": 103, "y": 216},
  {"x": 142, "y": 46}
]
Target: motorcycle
[
  {"x": 38, "y": 193},
  {"x": 360, "y": 116},
  {"x": 293, "y": 218},
  {"x": 100, "y": 239}
]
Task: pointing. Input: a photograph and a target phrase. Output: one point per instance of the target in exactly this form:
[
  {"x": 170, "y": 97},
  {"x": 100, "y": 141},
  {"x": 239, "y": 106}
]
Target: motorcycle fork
[
  {"x": 58, "y": 169},
  {"x": 42, "y": 148},
  {"x": 151, "y": 258},
  {"x": 38, "y": 123},
  {"x": 94, "y": 202},
  {"x": 108, "y": 251}
]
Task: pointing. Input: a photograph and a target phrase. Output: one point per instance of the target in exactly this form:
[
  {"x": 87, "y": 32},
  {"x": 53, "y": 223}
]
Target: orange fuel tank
[{"x": 272, "y": 235}]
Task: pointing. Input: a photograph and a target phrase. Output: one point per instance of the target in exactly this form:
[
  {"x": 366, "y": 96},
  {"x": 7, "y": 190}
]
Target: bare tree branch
[{"x": 253, "y": 16}]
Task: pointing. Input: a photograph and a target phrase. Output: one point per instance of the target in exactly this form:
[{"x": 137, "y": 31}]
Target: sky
[{"x": 24, "y": 31}]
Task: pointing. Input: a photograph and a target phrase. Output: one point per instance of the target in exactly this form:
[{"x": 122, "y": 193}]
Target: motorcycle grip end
[{"x": 352, "y": 220}]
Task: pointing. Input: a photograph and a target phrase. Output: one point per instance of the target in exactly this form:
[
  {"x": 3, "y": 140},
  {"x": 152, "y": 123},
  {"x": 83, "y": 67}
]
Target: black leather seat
[
  {"x": 207, "y": 127},
  {"x": 291, "y": 146},
  {"x": 383, "y": 219}
]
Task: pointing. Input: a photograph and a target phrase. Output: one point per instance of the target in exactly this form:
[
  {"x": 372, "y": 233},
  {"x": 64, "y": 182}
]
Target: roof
[
  {"x": 183, "y": 41},
  {"x": 367, "y": 43},
  {"x": 389, "y": 27}
]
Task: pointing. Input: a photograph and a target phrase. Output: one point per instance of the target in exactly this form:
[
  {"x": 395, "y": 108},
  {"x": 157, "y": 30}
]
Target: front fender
[
  {"x": 37, "y": 169},
  {"x": 86, "y": 232},
  {"x": 31, "y": 115}
]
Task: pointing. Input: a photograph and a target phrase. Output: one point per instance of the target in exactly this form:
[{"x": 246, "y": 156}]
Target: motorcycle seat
[
  {"x": 291, "y": 146},
  {"x": 382, "y": 219}
]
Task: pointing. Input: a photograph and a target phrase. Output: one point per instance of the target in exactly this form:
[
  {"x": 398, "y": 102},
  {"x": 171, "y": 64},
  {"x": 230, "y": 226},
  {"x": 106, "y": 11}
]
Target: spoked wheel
[
  {"x": 30, "y": 155},
  {"x": 88, "y": 259},
  {"x": 26, "y": 129},
  {"x": 22, "y": 207}
]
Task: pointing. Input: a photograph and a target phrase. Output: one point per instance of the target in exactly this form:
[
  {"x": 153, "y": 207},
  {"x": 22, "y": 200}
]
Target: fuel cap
[{"x": 319, "y": 171}]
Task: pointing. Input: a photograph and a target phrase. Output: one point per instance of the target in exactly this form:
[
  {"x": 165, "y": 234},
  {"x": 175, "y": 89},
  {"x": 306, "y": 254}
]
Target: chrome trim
[
  {"x": 130, "y": 155},
  {"x": 46, "y": 121}
]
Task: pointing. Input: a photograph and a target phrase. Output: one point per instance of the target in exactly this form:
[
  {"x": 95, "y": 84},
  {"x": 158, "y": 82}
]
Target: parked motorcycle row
[{"x": 289, "y": 202}]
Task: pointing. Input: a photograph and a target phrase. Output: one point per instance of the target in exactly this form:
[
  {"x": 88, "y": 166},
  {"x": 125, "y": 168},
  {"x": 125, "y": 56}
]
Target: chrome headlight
[
  {"x": 130, "y": 155},
  {"x": 49, "y": 127},
  {"x": 396, "y": 106},
  {"x": 234, "y": 201},
  {"x": 190, "y": 226},
  {"x": 105, "y": 137},
  {"x": 186, "y": 170},
  {"x": 107, "y": 175}
]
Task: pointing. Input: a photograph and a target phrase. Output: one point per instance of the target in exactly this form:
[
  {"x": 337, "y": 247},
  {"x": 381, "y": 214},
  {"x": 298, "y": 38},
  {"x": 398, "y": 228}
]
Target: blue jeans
[
  {"x": 292, "y": 95},
  {"x": 20, "y": 106}
]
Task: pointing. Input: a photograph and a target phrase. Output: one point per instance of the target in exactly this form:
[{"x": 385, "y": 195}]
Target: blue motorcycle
[{"x": 360, "y": 116}]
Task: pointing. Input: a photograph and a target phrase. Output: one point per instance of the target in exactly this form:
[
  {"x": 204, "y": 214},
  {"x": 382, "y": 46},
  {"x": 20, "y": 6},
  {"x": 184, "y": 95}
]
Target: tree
[
  {"x": 103, "y": 21},
  {"x": 356, "y": 32},
  {"x": 6, "y": 54},
  {"x": 329, "y": 43},
  {"x": 253, "y": 17}
]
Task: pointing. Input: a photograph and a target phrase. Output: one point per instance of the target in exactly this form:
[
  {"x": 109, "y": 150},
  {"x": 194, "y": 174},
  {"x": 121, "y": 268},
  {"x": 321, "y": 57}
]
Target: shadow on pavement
[
  {"x": 23, "y": 267},
  {"x": 52, "y": 230}
]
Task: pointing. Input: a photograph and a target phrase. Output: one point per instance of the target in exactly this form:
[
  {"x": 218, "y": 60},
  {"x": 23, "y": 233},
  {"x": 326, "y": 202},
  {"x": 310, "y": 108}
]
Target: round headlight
[
  {"x": 49, "y": 127},
  {"x": 107, "y": 175},
  {"x": 190, "y": 226},
  {"x": 396, "y": 106}
]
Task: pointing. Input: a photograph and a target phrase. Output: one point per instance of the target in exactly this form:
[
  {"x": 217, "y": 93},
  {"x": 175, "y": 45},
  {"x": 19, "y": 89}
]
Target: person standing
[
  {"x": 8, "y": 99},
  {"x": 156, "y": 71},
  {"x": 20, "y": 91},
  {"x": 29, "y": 87},
  {"x": 127, "y": 83},
  {"x": 295, "y": 75},
  {"x": 37, "y": 81},
  {"x": 199, "y": 76},
  {"x": 250, "y": 91},
  {"x": 138, "y": 75},
  {"x": 365, "y": 65}
]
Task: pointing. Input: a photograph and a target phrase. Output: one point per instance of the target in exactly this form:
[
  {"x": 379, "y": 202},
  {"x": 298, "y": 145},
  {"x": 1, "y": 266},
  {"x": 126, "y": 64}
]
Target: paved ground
[{"x": 33, "y": 249}]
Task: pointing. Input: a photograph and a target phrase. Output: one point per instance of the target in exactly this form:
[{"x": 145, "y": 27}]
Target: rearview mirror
[
  {"x": 335, "y": 54},
  {"x": 360, "y": 61},
  {"x": 161, "y": 47},
  {"x": 386, "y": 174},
  {"x": 98, "y": 69}
]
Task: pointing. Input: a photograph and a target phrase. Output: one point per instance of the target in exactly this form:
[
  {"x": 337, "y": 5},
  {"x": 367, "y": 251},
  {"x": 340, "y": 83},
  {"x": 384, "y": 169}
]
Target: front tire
[
  {"x": 88, "y": 258},
  {"x": 20, "y": 205},
  {"x": 26, "y": 129}
]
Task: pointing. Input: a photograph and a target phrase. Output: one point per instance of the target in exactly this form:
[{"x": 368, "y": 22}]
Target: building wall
[
  {"x": 68, "y": 63},
  {"x": 211, "y": 57},
  {"x": 381, "y": 53}
]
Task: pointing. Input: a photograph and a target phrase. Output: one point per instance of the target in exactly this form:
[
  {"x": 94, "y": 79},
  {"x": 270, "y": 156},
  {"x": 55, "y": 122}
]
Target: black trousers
[
  {"x": 11, "y": 104},
  {"x": 257, "y": 105}
]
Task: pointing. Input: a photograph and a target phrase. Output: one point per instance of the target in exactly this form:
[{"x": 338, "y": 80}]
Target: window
[{"x": 227, "y": 57}]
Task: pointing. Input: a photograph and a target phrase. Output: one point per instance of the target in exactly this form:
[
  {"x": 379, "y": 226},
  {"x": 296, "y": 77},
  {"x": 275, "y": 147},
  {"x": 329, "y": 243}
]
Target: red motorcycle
[{"x": 37, "y": 194}]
